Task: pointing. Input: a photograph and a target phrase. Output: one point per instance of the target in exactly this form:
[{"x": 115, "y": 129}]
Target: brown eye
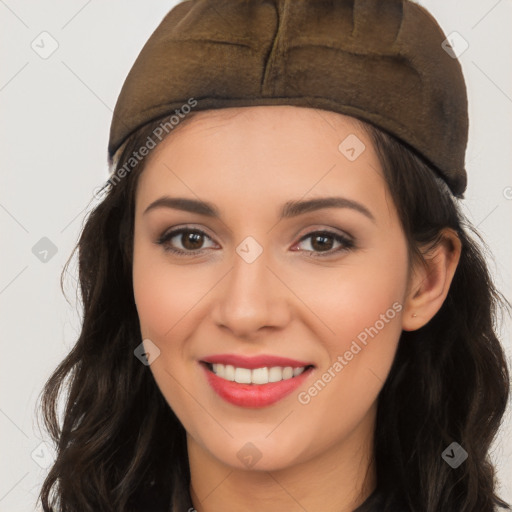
[
  {"x": 191, "y": 241},
  {"x": 324, "y": 241}
]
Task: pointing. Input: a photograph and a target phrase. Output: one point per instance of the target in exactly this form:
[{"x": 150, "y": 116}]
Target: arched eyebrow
[
  {"x": 294, "y": 208},
  {"x": 289, "y": 209}
]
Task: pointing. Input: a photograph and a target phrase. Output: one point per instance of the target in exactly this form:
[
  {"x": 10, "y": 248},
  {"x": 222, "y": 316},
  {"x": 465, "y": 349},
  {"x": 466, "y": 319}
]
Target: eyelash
[{"x": 347, "y": 244}]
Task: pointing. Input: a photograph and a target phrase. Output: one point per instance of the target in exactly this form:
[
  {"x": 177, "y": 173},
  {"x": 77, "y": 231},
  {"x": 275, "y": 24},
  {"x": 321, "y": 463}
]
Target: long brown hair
[{"x": 120, "y": 446}]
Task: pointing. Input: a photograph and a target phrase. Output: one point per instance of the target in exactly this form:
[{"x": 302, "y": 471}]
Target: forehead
[{"x": 274, "y": 153}]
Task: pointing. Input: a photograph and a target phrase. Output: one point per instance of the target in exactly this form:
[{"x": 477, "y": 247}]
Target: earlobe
[{"x": 430, "y": 282}]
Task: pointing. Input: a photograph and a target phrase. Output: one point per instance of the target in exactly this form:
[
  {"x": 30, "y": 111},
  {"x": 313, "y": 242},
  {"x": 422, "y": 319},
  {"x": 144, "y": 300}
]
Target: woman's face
[{"x": 321, "y": 286}]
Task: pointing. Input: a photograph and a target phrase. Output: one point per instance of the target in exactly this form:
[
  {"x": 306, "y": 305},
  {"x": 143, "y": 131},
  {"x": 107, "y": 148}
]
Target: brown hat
[{"x": 381, "y": 61}]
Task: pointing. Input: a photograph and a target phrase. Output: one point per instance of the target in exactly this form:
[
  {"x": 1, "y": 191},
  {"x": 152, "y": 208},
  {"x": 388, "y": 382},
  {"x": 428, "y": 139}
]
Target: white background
[{"x": 55, "y": 116}]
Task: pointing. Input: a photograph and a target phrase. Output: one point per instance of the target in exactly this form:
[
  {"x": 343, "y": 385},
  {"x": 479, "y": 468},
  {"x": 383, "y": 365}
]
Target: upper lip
[{"x": 259, "y": 361}]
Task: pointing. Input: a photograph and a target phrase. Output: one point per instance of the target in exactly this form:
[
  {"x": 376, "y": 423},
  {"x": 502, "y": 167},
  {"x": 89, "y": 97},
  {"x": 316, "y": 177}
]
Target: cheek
[
  {"x": 357, "y": 295},
  {"x": 363, "y": 308},
  {"x": 360, "y": 308},
  {"x": 165, "y": 294}
]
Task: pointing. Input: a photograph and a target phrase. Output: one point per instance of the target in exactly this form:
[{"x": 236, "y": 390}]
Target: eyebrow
[{"x": 290, "y": 208}]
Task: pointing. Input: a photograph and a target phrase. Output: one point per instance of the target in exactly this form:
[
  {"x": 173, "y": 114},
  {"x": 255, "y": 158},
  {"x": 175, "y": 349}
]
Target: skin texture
[{"x": 249, "y": 162}]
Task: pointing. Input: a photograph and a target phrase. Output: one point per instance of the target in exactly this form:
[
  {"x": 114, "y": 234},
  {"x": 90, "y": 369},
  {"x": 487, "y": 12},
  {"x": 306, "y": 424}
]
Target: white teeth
[
  {"x": 259, "y": 375},
  {"x": 256, "y": 376},
  {"x": 242, "y": 375},
  {"x": 275, "y": 374},
  {"x": 287, "y": 372},
  {"x": 229, "y": 372}
]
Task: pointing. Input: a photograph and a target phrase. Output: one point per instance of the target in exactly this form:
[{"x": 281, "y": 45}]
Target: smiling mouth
[{"x": 256, "y": 376}]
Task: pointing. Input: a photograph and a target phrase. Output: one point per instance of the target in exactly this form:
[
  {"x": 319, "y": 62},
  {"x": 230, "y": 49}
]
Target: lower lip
[{"x": 254, "y": 395}]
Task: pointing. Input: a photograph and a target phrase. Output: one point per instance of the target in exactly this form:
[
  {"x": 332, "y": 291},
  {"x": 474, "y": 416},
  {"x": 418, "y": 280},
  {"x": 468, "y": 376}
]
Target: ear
[{"x": 429, "y": 283}]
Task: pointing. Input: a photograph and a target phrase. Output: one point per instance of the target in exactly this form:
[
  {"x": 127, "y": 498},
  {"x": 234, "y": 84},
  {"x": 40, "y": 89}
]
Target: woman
[{"x": 283, "y": 305}]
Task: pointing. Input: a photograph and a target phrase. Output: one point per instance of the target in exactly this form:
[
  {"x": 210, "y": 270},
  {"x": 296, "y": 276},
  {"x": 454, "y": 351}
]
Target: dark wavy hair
[{"x": 120, "y": 447}]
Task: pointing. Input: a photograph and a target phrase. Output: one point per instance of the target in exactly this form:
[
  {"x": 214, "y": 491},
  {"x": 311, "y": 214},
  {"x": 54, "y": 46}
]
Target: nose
[{"x": 252, "y": 298}]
